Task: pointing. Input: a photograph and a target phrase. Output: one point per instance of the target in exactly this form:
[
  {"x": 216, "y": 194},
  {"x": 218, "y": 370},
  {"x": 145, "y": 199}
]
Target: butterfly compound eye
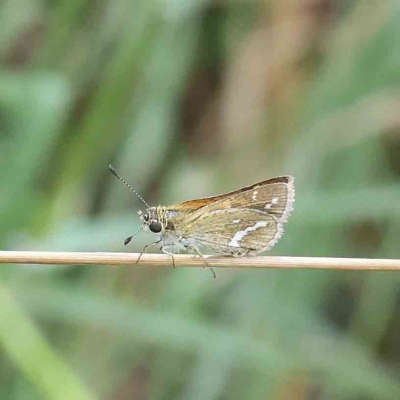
[{"x": 155, "y": 227}]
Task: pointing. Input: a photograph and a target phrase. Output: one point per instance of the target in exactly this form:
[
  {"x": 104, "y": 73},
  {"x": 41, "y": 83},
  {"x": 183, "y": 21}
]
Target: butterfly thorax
[{"x": 170, "y": 218}]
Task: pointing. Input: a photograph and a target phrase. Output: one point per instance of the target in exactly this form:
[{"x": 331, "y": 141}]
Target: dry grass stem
[{"x": 187, "y": 260}]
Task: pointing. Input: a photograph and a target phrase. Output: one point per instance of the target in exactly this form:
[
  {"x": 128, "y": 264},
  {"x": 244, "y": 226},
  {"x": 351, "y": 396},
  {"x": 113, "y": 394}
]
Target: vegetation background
[{"x": 191, "y": 98}]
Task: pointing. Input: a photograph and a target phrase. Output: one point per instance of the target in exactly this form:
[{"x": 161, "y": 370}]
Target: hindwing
[{"x": 235, "y": 231}]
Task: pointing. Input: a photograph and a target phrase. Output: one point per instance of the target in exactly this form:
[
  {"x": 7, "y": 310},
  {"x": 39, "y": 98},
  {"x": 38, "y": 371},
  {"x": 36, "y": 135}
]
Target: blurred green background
[{"x": 191, "y": 98}]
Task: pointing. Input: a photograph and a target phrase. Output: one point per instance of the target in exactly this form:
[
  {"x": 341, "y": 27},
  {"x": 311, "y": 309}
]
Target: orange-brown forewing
[{"x": 199, "y": 203}]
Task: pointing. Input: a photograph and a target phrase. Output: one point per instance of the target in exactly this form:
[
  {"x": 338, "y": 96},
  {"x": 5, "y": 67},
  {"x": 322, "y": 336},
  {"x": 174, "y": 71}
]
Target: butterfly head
[{"x": 150, "y": 220}]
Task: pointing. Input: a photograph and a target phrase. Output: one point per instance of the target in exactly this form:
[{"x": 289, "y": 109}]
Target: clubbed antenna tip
[
  {"x": 128, "y": 240},
  {"x": 113, "y": 171}
]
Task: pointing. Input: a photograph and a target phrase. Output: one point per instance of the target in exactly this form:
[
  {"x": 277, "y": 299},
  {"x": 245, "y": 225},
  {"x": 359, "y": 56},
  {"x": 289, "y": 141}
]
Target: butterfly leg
[
  {"x": 207, "y": 264},
  {"x": 242, "y": 253},
  {"x": 165, "y": 250},
  {"x": 145, "y": 248}
]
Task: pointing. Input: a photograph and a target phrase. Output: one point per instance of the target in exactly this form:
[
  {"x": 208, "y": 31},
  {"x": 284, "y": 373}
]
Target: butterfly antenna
[
  {"x": 128, "y": 239},
  {"x": 114, "y": 172}
]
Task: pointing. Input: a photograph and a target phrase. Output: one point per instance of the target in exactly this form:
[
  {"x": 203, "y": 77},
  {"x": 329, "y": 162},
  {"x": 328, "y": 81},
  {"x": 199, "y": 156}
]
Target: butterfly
[{"x": 241, "y": 223}]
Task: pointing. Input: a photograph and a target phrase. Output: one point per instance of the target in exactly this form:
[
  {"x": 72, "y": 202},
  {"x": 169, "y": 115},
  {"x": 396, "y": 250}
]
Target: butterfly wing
[
  {"x": 235, "y": 231},
  {"x": 275, "y": 196},
  {"x": 246, "y": 221}
]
